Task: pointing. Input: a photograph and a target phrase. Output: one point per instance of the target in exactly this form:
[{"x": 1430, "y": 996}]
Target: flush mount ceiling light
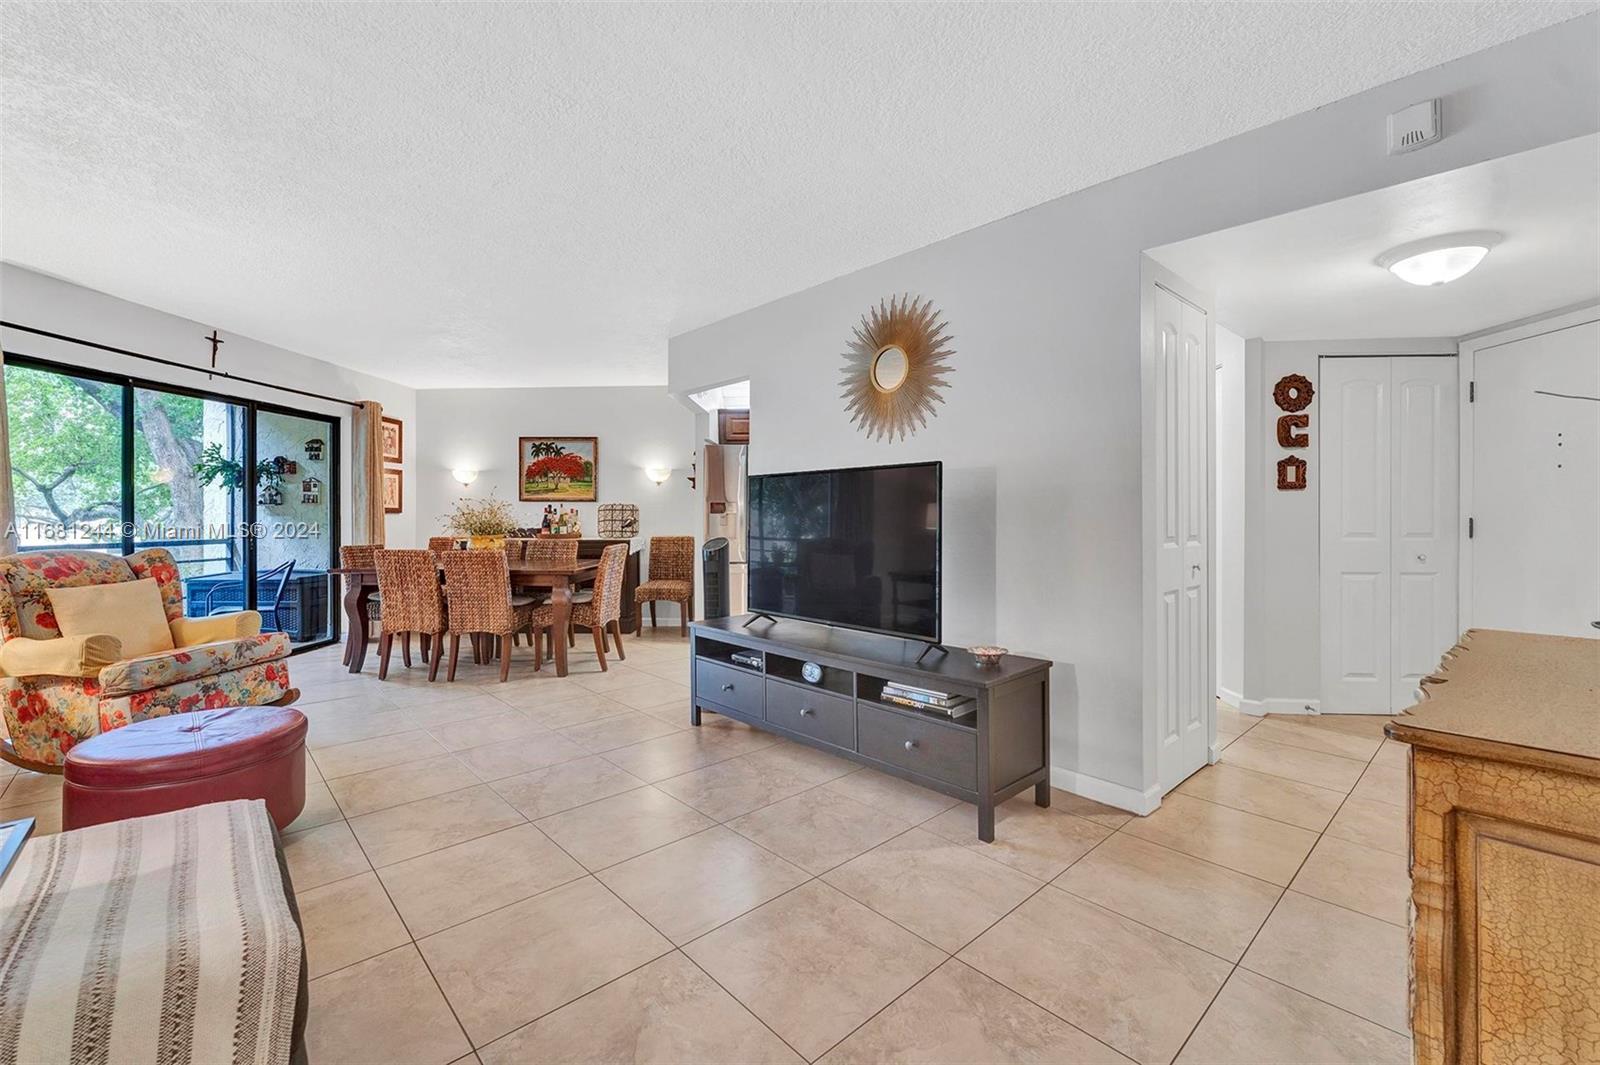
[{"x": 1438, "y": 260}]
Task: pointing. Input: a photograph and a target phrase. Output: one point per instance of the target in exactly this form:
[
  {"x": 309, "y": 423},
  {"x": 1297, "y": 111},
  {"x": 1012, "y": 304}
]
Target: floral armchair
[{"x": 58, "y": 691}]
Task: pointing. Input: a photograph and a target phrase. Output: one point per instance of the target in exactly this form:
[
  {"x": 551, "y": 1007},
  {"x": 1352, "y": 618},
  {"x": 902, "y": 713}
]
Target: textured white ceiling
[
  {"x": 1311, "y": 274},
  {"x": 452, "y": 195}
]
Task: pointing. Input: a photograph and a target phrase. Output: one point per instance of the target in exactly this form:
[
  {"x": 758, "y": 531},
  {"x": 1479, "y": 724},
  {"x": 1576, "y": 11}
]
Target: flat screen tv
[{"x": 856, "y": 547}]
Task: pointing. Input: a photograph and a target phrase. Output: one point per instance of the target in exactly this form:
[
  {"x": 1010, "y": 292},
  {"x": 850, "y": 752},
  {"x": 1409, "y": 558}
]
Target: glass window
[{"x": 66, "y": 459}]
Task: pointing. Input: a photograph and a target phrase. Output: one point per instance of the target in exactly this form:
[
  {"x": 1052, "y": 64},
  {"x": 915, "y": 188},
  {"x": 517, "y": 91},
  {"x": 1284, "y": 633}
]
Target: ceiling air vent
[{"x": 1414, "y": 127}]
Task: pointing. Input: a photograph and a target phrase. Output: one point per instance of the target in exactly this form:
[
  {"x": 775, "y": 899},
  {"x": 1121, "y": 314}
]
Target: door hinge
[
  {"x": 1472, "y": 391},
  {"x": 1470, "y": 524}
]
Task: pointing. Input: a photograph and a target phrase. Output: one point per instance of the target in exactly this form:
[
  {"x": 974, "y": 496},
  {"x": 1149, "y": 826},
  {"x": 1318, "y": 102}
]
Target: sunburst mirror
[{"x": 894, "y": 368}]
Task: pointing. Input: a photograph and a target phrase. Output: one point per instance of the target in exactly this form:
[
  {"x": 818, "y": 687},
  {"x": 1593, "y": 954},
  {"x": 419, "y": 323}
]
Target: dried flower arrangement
[{"x": 481, "y": 517}]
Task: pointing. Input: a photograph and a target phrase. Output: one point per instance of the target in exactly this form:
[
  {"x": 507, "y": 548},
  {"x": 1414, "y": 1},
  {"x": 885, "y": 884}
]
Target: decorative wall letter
[
  {"x": 1293, "y": 393},
  {"x": 1287, "y": 424},
  {"x": 1291, "y": 474}
]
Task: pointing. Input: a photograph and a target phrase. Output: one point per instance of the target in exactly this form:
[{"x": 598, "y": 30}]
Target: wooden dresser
[{"x": 1505, "y": 852}]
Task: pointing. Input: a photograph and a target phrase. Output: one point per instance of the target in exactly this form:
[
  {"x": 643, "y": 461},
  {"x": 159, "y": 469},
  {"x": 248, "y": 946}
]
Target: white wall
[
  {"x": 638, "y": 427},
  {"x": 1282, "y": 589},
  {"x": 1041, "y": 432},
  {"x": 1228, "y": 580},
  {"x": 42, "y": 302}
]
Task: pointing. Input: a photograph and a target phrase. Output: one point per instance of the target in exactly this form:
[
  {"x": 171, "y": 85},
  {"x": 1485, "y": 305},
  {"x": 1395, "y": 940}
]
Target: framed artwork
[
  {"x": 558, "y": 469},
  {"x": 394, "y": 437},
  {"x": 393, "y": 492}
]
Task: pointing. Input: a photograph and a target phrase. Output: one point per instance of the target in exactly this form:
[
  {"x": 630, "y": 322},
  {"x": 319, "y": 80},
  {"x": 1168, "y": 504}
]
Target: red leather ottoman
[{"x": 183, "y": 760}]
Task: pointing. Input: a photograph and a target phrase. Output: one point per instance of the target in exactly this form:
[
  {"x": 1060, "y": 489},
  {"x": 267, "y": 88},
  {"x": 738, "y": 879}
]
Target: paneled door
[
  {"x": 1387, "y": 501},
  {"x": 1184, "y": 685}
]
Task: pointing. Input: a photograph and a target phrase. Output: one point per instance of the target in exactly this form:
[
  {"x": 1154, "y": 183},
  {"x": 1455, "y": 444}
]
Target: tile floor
[{"x": 561, "y": 870}]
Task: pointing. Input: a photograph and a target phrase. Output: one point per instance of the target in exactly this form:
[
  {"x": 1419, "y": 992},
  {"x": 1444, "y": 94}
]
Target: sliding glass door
[{"x": 244, "y": 494}]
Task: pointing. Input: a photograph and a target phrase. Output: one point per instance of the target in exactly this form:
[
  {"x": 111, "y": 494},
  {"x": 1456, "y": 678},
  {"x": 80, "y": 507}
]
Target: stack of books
[{"x": 927, "y": 699}]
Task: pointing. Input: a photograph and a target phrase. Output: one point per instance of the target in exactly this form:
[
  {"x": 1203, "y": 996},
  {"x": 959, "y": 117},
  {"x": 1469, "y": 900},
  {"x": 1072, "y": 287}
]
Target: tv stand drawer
[
  {"x": 731, "y": 687},
  {"x": 922, "y": 747},
  {"x": 812, "y": 712}
]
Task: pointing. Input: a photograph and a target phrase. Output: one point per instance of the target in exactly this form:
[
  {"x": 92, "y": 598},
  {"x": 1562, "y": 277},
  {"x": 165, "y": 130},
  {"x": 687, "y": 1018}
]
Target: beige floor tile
[
  {"x": 46, "y": 817},
  {"x": 29, "y": 789},
  {"x": 685, "y": 750},
  {"x": 1293, "y": 733},
  {"x": 727, "y": 789},
  {"x": 409, "y": 1022},
  {"x": 1265, "y": 849},
  {"x": 945, "y": 892},
  {"x": 1279, "y": 798},
  {"x": 508, "y": 967},
  {"x": 1040, "y": 841},
  {"x": 615, "y": 829},
  {"x": 339, "y": 687},
  {"x": 609, "y": 733},
  {"x": 414, "y": 828},
  {"x": 379, "y": 789},
  {"x": 1383, "y": 784},
  {"x": 814, "y": 964},
  {"x": 1232, "y": 723},
  {"x": 1087, "y": 965},
  {"x": 445, "y": 887},
  {"x": 814, "y": 766},
  {"x": 503, "y": 726},
  {"x": 319, "y": 809},
  {"x": 1355, "y": 724},
  {"x": 330, "y": 727},
  {"x": 1256, "y": 1021},
  {"x": 363, "y": 756},
  {"x": 687, "y": 888},
  {"x": 1205, "y": 905},
  {"x": 957, "y": 1014},
  {"x": 348, "y": 921},
  {"x": 653, "y": 692},
  {"x": 1088, "y": 809},
  {"x": 321, "y": 855},
  {"x": 898, "y": 798},
  {"x": 445, "y": 715},
  {"x": 1374, "y": 882},
  {"x": 1344, "y": 958},
  {"x": 1373, "y": 824},
  {"x": 1295, "y": 763},
  {"x": 1393, "y": 755},
  {"x": 666, "y": 1012},
  {"x": 562, "y": 786},
  {"x": 613, "y": 679},
  {"x": 818, "y": 829},
  {"x": 507, "y": 758}
]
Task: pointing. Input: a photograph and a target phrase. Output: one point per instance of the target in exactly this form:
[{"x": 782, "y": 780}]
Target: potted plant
[
  {"x": 215, "y": 466},
  {"x": 484, "y": 522}
]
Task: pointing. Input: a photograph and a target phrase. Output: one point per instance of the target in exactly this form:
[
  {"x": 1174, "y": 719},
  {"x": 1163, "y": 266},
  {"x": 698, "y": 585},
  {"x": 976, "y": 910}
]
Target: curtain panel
[
  {"x": 366, "y": 478},
  {"x": 8, "y": 503}
]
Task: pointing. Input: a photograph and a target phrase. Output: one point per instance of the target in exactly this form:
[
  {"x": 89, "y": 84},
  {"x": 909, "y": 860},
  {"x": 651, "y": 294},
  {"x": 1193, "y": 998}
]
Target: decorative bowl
[{"x": 988, "y": 657}]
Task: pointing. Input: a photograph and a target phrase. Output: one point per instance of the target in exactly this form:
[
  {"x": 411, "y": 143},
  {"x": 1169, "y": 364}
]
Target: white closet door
[
  {"x": 1354, "y": 502},
  {"x": 1536, "y": 484},
  {"x": 1184, "y": 682},
  {"x": 1426, "y": 529}
]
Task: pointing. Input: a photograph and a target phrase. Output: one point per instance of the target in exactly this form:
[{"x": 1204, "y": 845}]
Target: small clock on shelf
[{"x": 811, "y": 673}]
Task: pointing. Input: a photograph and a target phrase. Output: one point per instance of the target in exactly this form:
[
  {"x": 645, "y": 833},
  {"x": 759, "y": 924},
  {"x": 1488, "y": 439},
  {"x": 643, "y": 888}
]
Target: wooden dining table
[{"x": 360, "y": 585}]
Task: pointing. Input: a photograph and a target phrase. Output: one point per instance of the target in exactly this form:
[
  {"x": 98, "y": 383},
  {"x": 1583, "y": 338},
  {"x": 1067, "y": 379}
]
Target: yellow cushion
[
  {"x": 187, "y": 632},
  {"x": 68, "y": 656},
  {"x": 130, "y": 610}
]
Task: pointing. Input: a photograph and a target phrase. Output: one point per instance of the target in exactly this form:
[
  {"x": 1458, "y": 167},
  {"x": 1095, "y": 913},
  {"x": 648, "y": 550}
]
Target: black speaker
[{"x": 714, "y": 562}]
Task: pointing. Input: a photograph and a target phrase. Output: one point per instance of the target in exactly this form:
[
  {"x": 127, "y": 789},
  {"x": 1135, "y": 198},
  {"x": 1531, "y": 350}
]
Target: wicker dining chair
[
  {"x": 514, "y": 548},
  {"x": 671, "y": 580},
  {"x": 600, "y": 613},
  {"x": 548, "y": 549},
  {"x": 408, "y": 580},
  {"x": 440, "y": 544},
  {"x": 479, "y": 603},
  {"x": 360, "y": 556}
]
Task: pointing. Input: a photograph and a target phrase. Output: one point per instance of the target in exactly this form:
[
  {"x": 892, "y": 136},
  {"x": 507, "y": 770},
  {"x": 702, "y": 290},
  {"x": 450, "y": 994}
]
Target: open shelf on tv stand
[{"x": 985, "y": 757}]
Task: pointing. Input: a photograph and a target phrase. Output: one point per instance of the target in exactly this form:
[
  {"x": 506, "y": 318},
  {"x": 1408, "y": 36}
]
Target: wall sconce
[
  {"x": 465, "y": 477},
  {"x": 659, "y": 474}
]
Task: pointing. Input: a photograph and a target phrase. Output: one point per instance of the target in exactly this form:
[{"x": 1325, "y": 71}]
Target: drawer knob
[
  {"x": 727, "y": 687},
  {"x": 911, "y": 745},
  {"x": 806, "y": 711}
]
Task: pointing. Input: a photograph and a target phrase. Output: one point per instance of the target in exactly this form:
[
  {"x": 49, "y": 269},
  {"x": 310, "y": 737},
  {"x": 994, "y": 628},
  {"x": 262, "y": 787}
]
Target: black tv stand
[
  {"x": 757, "y": 617},
  {"x": 998, "y": 750},
  {"x": 932, "y": 647}
]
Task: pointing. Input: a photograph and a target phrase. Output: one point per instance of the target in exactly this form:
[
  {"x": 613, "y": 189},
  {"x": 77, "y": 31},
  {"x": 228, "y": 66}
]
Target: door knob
[
  {"x": 911, "y": 745},
  {"x": 806, "y": 711},
  {"x": 727, "y": 687}
]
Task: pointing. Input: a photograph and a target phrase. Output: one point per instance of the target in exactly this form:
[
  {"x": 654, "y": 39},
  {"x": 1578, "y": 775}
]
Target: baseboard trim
[
  {"x": 1262, "y": 707},
  {"x": 1231, "y": 697},
  {"x": 1112, "y": 794}
]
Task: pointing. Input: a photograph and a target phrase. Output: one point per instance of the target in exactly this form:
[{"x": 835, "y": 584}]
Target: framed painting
[
  {"x": 394, "y": 439},
  {"x": 393, "y": 492},
  {"x": 558, "y": 469}
]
